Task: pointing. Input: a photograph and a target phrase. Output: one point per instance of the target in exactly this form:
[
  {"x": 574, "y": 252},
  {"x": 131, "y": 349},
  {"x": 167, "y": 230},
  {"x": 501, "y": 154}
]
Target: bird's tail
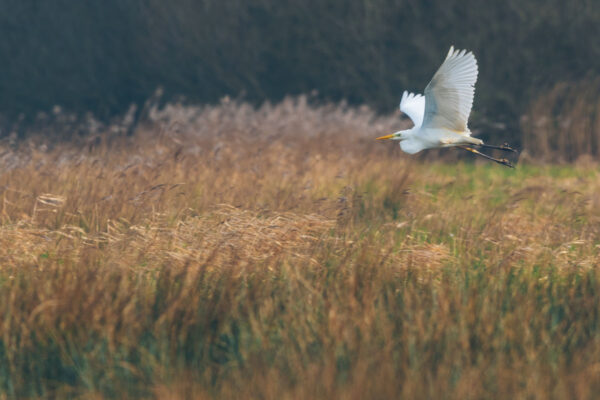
[
  {"x": 453, "y": 138},
  {"x": 473, "y": 140}
]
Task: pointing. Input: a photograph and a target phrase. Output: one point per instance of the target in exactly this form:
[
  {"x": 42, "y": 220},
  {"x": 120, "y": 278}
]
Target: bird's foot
[
  {"x": 507, "y": 147},
  {"x": 504, "y": 147},
  {"x": 505, "y": 162},
  {"x": 502, "y": 161}
]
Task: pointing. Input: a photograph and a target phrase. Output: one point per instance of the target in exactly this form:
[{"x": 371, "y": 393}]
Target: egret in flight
[{"x": 440, "y": 117}]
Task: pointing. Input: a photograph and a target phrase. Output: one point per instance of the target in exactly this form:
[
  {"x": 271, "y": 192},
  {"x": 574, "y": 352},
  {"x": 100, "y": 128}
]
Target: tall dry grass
[
  {"x": 282, "y": 253},
  {"x": 563, "y": 124}
]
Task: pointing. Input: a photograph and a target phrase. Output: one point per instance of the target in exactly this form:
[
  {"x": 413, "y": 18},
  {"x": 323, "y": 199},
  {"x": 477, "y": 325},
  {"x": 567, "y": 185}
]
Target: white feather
[
  {"x": 449, "y": 95},
  {"x": 413, "y": 105}
]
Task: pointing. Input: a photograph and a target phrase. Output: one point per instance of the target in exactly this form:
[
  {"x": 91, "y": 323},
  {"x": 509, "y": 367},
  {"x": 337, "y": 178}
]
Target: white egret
[{"x": 440, "y": 117}]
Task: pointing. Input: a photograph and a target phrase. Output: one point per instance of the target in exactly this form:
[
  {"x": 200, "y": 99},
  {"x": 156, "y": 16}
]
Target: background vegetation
[
  {"x": 102, "y": 56},
  {"x": 228, "y": 252}
]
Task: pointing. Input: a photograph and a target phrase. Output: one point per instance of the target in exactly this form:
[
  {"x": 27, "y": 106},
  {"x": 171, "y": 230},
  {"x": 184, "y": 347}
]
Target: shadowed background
[{"x": 102, "y": 57}]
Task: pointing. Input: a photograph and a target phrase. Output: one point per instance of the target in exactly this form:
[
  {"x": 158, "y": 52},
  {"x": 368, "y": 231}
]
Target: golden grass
[
  {"x": 563, "y": 124},
  {"x": 282, "y": 253}
]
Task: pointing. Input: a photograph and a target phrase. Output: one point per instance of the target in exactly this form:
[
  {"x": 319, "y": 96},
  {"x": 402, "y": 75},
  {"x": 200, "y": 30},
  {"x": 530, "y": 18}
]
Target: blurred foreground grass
[{"x": 283, "y": 253}]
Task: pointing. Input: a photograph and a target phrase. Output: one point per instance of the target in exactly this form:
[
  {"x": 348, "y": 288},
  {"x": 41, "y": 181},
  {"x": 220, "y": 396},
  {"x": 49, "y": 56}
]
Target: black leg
[
  {"x": 502, "y": 161},
  {"x": 504, "y": 147}
]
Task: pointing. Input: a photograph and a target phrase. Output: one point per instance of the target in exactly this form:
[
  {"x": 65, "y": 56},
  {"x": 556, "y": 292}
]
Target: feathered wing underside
[
  {"x": 449, "y": 95},
  {"x": 413, "y": 105}
]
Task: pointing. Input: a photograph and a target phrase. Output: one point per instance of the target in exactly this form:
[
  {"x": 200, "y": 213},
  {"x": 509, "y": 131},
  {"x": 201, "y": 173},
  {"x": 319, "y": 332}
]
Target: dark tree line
[{"x": 101, "y": 56}]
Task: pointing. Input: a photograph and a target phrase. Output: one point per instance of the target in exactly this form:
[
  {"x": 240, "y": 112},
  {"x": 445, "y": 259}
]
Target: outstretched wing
[
  {"x": 413, "y": 105},
  {"x": 449, "y": 95}
]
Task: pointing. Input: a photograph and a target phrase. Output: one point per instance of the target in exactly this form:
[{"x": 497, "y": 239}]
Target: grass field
[{"x": 284, "y": 254}]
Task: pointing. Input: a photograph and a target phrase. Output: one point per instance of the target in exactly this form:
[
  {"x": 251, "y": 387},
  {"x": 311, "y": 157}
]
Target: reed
[{"x": 276, "y": 253}]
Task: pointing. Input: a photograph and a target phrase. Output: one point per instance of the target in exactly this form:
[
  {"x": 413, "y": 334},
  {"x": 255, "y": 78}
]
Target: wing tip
[
  {"x": 458, "y": 53},
  {"x": 407, "y": 96}
]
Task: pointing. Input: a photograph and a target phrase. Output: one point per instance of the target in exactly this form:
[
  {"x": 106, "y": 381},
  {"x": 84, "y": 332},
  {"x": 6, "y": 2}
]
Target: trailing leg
[
  {"x": 502, "y": 161},
  {"x": 504, "y": 147}
]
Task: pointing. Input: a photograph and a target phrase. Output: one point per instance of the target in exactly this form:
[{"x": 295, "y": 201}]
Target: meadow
[{"x": 282, "y": 253}]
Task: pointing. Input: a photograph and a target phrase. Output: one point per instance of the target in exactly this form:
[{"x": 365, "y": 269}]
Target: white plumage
[
  {"x": 441, "y": 116},
  {"x": 449, "y": 95},
  {"x": 413, "y": 105}
]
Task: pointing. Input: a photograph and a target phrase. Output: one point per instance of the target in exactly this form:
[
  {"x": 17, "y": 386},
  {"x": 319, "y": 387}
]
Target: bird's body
[
  {"x": 441, "y": 116},
  {"x": 417, "y": 139}
]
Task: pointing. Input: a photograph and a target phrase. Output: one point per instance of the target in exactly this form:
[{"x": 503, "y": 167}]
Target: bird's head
[{"x": 400, "y": 135}]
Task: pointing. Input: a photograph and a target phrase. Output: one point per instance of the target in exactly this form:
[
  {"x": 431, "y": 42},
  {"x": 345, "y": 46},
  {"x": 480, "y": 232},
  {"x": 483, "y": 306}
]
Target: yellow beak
[{"x": 385, "y": 137}]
